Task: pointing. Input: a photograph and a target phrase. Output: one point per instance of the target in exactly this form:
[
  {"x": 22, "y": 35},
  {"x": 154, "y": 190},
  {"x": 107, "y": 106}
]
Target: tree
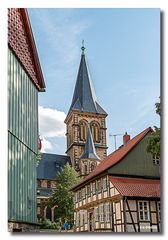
[
  {"x": 153, "y": 145},
  {"x": 38, "y": 157},
  {"x": 62, "y": 196}
]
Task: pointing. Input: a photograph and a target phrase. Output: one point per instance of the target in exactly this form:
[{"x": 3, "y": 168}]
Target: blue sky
[{"x": 123, "y": 55}]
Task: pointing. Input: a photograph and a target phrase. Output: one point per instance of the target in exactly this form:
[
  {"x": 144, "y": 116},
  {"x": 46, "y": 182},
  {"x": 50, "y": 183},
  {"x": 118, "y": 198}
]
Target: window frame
[
  {"x": 159, "y": 211},
  {"x": 104, "y": 184},
  {"x": 82, "y": 130},
  {"x": 94, "y": 188},
  {"x": 95, "y": 130},
  {"x": 96, "y": 214},
  {"x": 77, "y": 219},
  {"x": 156, "y": 161},
  {"x": 107, "y": 209},
  {"x": 84, "y": 193},
  {"x": 80, "y": 195},
  {"x": 101, "y": 212},
  {"x": 88, "y": 192},
  {"x": 99, "y": 190},
  {"x": 142, "y": 211},
  {"x": 85, "y": 217}
]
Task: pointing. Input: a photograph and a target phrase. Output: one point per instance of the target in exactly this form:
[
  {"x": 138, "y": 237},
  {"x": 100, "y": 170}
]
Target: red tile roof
[
  {"x": 136, "y": 187},
  {"x": 21, "y": 41},
  {"x": 115, "y": 156}
]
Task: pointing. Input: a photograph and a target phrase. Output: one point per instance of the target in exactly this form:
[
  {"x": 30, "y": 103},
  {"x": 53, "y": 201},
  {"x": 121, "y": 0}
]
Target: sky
[{"x": 123, "y": 55}]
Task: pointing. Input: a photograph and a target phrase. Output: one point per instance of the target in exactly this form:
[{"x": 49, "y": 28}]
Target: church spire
[
  {"x": 89, "y": 151},
  {"x": 84, "y": 98}
]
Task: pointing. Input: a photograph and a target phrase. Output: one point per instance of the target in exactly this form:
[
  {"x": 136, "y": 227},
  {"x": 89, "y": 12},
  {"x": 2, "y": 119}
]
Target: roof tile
[{"x": 136, "y": 187}]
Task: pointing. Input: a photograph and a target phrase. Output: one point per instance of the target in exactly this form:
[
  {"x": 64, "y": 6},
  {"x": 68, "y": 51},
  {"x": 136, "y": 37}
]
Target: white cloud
[
  {"x": 51, "y": 122},
  {"x": 46, "y": 145}
]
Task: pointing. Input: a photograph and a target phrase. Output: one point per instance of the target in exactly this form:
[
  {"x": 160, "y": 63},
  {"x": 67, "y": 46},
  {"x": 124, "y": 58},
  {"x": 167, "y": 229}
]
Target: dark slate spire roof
[
  {"x": 84, "y": 98},
  {"x": 89, "y": 151},
  {"x": 50, "y": 165}
]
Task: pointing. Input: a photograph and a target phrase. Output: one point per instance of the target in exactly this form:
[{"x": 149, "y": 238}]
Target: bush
[{"x": 47, "y": 224}]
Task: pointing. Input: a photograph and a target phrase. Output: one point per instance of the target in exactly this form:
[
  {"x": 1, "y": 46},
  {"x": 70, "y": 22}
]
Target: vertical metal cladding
[{"x": 22, "y": 142}]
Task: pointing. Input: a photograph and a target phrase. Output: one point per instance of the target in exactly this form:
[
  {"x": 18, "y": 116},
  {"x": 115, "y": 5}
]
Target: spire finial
[{"x": 83, "y": 48}]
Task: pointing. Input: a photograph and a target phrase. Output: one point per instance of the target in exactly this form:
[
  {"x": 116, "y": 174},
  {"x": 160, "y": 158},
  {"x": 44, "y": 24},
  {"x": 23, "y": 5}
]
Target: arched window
[
  {"x": 82, "y": 130},
  {"x": 85, "y": 169},
  {"x": 95, "y": 129},
  {"x": 92, "y": 166}
]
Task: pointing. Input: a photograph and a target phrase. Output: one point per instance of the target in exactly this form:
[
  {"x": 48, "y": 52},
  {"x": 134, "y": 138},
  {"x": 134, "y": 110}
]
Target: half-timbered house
[{"x": 123, "y": 193}]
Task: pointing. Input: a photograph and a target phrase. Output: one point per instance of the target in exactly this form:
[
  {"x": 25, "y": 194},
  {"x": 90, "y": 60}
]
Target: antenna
[{"x": 115, "y": 135}]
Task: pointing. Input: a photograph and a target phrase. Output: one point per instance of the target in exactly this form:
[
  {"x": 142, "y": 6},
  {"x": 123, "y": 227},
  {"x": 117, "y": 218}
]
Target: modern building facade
[
  {"x": 25, "y": 80},
  {"x": 84, "y": 111},
  {"x": 123, "y": 193},
  {"x": 49, "y": 167}
]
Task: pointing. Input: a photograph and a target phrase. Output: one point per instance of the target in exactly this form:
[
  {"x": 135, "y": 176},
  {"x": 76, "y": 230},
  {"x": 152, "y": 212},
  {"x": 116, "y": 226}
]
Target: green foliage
[
  {"x": 38, "y": 158},
  {"x": 158, "y": 108},
  {"x": 62, "y": 196},
  {"x": 47, "y": 224},
  {"x": 153, "y": 145}
]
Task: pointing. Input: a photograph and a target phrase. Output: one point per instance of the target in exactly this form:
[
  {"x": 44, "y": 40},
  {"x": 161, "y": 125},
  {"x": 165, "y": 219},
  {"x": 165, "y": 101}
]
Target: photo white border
[{"x": 4, "y": 4}]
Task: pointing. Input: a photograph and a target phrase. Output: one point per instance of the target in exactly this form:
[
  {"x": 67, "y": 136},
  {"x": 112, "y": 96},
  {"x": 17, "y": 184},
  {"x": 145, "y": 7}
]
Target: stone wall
[{"x": 22, "y": 227}]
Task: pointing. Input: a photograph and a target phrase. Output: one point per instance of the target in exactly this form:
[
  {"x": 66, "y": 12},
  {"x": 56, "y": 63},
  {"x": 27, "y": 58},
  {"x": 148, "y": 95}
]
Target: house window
[
  {"x": 48, "y": 184},
  {"x": 76, "y": 196},
  {"x": 80, "y": 195},
  {"x": 156, "y": 161},
  {"x": 107, "y": 212},
  {"x": 82, "y": 131},
  {"x": 96, "y": 213},
  {"x": 95, "y": 132},
  {"x": 101, "y": 207},
  {"x": 88, "y": 190},
  {"x": 143, "y": 211},
  {"x": 38, "y": 200},
  {"x": 99, "y": 185},
  {"x": 104, "y": 184},
  {"x": 81, "y": 218},
  {"x": 83, "y": 193},
  {"x": 94, "y": 187},
  {"x": 158, "y": 208},
  {"x": 86, "y": 217},
  {"x": 77, "y": 219}
]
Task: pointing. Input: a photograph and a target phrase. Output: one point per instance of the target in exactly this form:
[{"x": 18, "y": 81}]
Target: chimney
[{"x": 126, "y": 138}]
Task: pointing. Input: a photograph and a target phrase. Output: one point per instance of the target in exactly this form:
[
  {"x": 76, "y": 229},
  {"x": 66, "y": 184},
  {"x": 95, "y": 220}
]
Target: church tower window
[
  {"x": 95, "y": 129},
  {"x": 82, "y": 131}
]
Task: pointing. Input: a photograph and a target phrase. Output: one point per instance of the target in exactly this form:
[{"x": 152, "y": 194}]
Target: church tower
[{"x": 85, "y": 121}]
